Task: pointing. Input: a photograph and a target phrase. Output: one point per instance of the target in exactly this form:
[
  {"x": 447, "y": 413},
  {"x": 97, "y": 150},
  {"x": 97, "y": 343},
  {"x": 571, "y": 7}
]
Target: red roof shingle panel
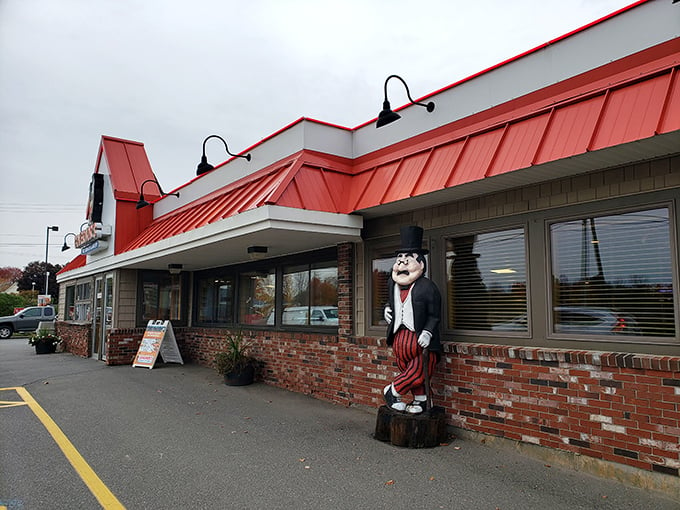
[
  {"x": 378, "y": 185},
  {"x": 631, "y": 113},
  {"x": 438, "y": 168},
  {"x": 670, "y": 117},
  {"x": 406, "y": 178},
  {"x": 519, "y": 145},
  {"x": 570, "y": 130},
  {"x": 475, "y": 158}
]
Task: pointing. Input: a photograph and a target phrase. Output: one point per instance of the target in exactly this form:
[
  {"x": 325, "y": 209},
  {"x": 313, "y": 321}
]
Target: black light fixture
[
  {"x": 175, "y": 268},
  {"x": 143, "y": 203},
  {"x": 66, "y": 246},
  {"x": 257, "y": 252},
  {"x": 204, "y": 166},
  {"x": 387, "y": 116}
]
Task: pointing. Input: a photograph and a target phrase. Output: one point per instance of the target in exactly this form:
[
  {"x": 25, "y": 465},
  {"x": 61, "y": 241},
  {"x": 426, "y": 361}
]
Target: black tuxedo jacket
[{"x": 426, "y": 310}]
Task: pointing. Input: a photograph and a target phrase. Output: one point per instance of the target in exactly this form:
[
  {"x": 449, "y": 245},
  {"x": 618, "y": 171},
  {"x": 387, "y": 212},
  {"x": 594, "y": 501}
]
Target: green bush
[{"x": 8, "y": 302}]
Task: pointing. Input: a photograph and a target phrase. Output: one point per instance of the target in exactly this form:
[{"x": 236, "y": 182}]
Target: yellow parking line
[{"x": 100, "y": 491}]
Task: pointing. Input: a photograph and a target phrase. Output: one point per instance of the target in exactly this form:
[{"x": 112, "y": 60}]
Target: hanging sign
[{"x": 158, "y": 338}]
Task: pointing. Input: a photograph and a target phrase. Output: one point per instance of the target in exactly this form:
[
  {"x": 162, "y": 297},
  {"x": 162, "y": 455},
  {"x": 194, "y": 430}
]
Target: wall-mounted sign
[
  {"x": 95, "y": 201},
  {"x": 94, "y": 247},
  {"x": 90, "y": 240}
]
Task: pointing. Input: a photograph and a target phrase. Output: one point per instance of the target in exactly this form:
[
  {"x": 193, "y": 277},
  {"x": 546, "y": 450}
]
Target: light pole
[{"x": 54, "y": 228}]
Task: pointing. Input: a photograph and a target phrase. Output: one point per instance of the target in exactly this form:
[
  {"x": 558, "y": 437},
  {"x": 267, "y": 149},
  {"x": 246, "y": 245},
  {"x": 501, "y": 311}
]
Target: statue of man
[{"x": 413, "y": 313}]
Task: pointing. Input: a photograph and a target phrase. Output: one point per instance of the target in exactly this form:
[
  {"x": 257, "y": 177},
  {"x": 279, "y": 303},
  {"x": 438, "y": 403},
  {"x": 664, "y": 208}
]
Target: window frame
[
  {"x": 537, "y": 232},
  {"x": 488, "y": 229},
  {"x": 608, "y": 339},
  {"x": 183, "y": 279},
  {"x": 328, "y": 257}
]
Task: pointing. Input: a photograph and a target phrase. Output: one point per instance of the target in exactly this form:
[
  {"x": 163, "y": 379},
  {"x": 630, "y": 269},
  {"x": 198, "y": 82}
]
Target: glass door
[
  {"x": 97, "y": 326},
  {"x": 103, "y": 315},
  {"x": 108, "y": 314}
]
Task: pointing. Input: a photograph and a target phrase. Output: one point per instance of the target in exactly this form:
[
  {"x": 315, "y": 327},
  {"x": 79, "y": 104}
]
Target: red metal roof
[
  {"x": 644, "y": 104},
  {"x": 129, "y": 167},
  {"x": 629, "y": 100},
  {"x": 286, "y": 183},
  {"x": 640, "y": 102},
  {"x": 78, "y": 261}
]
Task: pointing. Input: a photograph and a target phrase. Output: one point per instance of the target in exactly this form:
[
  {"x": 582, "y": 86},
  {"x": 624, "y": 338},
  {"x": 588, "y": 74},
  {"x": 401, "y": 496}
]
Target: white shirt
[{"x": 403, "y": 311}]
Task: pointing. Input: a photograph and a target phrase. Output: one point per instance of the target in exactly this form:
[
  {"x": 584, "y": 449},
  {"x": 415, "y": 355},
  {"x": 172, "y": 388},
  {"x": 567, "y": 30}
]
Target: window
[
  {"x": 381, "y": 272},
  {"x": 256, "y": 296},
  {"x": 70, "y": 308},
  {"x": 310, "y": 295},
  {"x": 486, "y": 281},
  {"x": 83, "y": 302},
  {"x": 78, "y": 302},
  {"x": 162, "y": 296},
  {"x": 215, "y": 299},
  {"x": 612, "y": 275}
]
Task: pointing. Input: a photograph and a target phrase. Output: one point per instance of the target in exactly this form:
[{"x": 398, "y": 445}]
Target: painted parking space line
[{"x": 100, "y": 491}]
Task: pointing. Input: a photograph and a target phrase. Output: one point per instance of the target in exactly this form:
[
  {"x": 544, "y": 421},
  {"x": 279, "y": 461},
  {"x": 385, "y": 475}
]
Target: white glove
[
  {"x": 388, "y": 314},
  {"x": 424, "y": 339}
]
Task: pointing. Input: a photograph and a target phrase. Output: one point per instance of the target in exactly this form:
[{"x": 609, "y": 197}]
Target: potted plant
[
  {"x": 235, "y": 363},
  {"x": 45, "y": 341}
]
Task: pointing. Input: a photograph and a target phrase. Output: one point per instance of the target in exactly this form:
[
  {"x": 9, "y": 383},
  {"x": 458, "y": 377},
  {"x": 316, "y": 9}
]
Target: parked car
[
  {"x": 320, "y": 316},
  {"x": 25, "y": 320},
  {"x": 581, "y": 320}
]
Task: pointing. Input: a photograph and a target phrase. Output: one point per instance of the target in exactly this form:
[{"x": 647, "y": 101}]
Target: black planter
[
  {"x": 45, "y": 348},
  {"x": 242, "y": 378}
]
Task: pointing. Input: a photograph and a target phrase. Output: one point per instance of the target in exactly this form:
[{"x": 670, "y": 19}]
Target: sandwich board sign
[{"x": 158, "y": 338}]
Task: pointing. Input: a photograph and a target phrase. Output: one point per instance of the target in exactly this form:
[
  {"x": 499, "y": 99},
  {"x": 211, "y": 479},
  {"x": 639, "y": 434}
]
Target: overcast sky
[{"x": 168, "y": 73}]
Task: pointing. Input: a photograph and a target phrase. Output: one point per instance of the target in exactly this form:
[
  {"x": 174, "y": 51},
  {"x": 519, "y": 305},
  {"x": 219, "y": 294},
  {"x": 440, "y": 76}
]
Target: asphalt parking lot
[{"x": 176, "y": 437}]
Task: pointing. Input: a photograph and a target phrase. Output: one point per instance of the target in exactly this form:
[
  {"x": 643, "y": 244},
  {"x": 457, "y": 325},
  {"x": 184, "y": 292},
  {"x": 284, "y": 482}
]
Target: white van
[{"x": 299, "y": 315}]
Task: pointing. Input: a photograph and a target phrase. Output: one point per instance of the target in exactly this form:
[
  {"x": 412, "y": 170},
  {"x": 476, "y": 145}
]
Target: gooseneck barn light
[
  {"x": 204, "y": 166},
  {"x": 143, "y": 203},
  {"x": 66, "y": 246},
  {"x": 387, "y": 116}
]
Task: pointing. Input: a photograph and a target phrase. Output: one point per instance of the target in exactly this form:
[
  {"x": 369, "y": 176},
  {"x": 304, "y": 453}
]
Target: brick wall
[
  {"x": 122, "y": 345},
  {"x": 618, "y": 407},
  {"x": 76, "y": 337}
]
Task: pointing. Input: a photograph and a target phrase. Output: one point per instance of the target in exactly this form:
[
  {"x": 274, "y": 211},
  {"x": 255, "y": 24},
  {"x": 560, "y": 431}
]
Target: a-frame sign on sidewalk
[{"x": 158, "y": 338}]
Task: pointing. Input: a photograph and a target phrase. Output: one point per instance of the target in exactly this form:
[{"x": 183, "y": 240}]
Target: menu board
[{"x": 159, "y": 338}]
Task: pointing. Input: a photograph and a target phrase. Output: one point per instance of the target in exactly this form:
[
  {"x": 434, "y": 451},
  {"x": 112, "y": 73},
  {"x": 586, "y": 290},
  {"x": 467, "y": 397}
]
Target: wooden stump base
[{"x": 411, "y": 430}]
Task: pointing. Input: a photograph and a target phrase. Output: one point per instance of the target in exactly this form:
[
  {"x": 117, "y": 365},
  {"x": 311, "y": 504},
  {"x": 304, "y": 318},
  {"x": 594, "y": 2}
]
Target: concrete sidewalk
[{"x": 176, "y": 437}]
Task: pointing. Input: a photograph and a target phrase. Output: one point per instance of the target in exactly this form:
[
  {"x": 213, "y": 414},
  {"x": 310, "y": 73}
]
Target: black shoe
[
  {"x": 392, "y": 401},
  {"x": 417, "y": 407}
]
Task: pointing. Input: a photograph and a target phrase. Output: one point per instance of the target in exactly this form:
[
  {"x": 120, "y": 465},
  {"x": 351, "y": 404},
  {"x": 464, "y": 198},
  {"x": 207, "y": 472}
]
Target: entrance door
[
  {"x": 103, "y": 315},
  {"x": 97, "y": 325}
]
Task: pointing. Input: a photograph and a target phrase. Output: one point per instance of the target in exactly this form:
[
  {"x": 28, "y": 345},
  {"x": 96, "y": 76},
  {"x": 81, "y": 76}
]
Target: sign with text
[{"x": 159, "y": 338}]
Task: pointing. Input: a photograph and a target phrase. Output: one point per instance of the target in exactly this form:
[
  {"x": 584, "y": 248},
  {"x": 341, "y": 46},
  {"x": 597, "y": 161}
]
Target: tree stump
[{"x": 423, "y": 430}]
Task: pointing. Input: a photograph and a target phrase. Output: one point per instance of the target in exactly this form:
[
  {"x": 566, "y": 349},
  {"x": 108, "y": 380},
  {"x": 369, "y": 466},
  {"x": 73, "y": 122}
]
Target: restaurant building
[{"x": 548, "y": 187}]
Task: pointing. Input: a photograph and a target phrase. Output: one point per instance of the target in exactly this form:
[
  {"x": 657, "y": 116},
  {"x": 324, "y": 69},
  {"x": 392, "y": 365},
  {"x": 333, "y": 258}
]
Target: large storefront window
[
  {"x": 310, "y": 295},
  {"x": 486, "y": 287},
  {"x": 257, "y": 292},
  {"x": 215, "y": 299},
  {"x": 162, "y": 297},
  {"x": 612, "y": 275}
]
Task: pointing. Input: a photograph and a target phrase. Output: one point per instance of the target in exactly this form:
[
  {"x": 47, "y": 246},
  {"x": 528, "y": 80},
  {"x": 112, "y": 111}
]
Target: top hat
[{"x": 412, "y": 240}]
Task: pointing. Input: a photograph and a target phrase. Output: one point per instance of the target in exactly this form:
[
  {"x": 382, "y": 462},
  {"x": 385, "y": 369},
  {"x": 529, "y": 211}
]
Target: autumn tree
[{"x": 33, "y": 278}]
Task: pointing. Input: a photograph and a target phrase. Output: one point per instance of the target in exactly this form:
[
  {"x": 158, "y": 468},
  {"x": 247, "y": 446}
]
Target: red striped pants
[{"x": 410, "y": 363}]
